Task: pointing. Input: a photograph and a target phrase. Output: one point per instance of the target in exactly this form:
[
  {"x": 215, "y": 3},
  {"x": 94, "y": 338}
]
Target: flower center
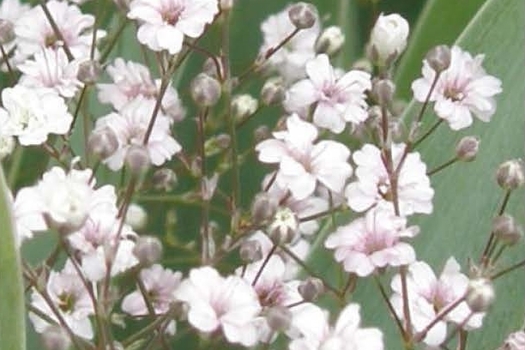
[
  {"x": 66, "y": 302},
  {"x": 384, "y": 190},
  {"x": 454, "y": 94},
  {"x": 172, "y": 15}
]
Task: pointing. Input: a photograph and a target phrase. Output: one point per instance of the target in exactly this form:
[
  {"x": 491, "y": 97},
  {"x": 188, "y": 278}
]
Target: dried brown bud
[
  {"x": 438, "y": 58},
  {"x": 467, "y": 148},
  {"x": 383, "y": 90},
  {"x": 148, "y": 250},
  {"x": 311, "y": 288},
  {"x": 506, "y": 229},
  {"x": 205, "y": 90},
  {"x": 103, "y": 143},
  {"x": 264, "y": 207},
  {"x": 251, "y": 251},
  {"x": 510, "y": 174},
  {"x": 303, "y": 15},
  {"x": 164, "y": 179},
  {"x": 138, "y": 160},
  {"x": 89, "y": 72}
]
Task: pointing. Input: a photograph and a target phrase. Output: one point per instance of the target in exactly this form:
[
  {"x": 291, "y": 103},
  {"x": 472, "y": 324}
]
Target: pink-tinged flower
[
  {"x": 372, "y": 241},
  {"x": 216, "y": 302},
  {"x": 414, "y": 194},
  {"x": 130, "y": 126},
  {"x": 164, "y": 23},
  {"x": 70, "y": 299},
  {"x": 462, "y": 90},
  {"x": 51, "y": 69},
  {"x": 32, "y": 114},
  {"x": 34, "y": 31},
  {"x": 428, "y": 295},
  {"x": 302, "y": 164},
  {"x": 338, "y": 99},
  {"x": 290, "y": 59},
  {"x": 160, "y": 284},
  {"x": 131, "y": 80},
  {"x": 101, "y": 242},
  {"x": 316, "y": 333}
]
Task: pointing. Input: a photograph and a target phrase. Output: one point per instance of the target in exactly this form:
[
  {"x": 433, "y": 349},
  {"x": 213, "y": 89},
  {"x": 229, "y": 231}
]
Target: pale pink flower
[
  {"x": 214, "y": 302},
  {"x": 289, "y": 60},
  {"x": 50, "y": 68},
  {"x": 131, "y": 80},
  {"x": 130, "y": 126},
  {"x": 27, "y": 215},
  {"x": 372, "y": 242},
  {"x": 160, "y": 285},
  {"x": 70, "y": 298},
  {"x": 462, "y": 90},
  {"x": 428, "y": 295},
  {"x": 316, "y": 333},
  {"x": 302, "y": 164},
  {"x": 338, "y": 100},
  {"x": 164, "y": 23},
  {"x": 373, "y": 187},
  {"x": 32, "y": 114},
  {"x": 34, "y": 31}
]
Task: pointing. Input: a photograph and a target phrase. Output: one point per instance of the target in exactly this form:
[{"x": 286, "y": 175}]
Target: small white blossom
[{"x": 388, "y": 38}]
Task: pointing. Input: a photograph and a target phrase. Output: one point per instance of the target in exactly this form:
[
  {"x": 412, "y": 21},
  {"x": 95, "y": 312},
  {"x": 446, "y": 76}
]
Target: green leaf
[{"x": 12, "y": 311}]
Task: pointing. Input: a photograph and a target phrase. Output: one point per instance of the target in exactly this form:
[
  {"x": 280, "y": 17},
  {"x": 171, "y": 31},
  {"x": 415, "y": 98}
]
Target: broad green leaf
[
  {"x": 12, "y": 311},
  {"x": 440, "y": 22}
]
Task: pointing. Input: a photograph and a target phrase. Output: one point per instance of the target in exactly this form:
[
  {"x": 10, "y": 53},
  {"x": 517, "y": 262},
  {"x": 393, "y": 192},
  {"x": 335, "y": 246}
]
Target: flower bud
[
  {"x": 89, "y": 72},
  {"x": 211, "y": 67},
  {"x": 261, "y": 133},
  {"x": 7, "y": 145},
  {"x": 251, "y": 251},
  {"x": 7, "y": 33},
  {"x": 205, "y": 90},
  {"x": 148, "y": 250},
  {"x": 243, "y": 106},
  {"x": 515, "y": 341},
  {"x": 303, "y": 15},
  {"x": 330, "y": 41},
  {"x": 272, "y": 92},
  {"x": 399, "y": 106},
  {"x": 264, "y": 207},
  {"x": 55, "y": 338},
  {"x": 506, "y": 229},
  {"x": 137, "y": 159},
  {"x": 364, "y": 65},
  {"x": 216, "y": 144},
  {"x": 383, "y": 90},
  {"x": 136, "y": 217},
  {"x": 438, "y": 58},
  {"x": 103, "y": 143},
  {"x": 467, "y": 148},
  {"x": 279, "y": 318},
  {"x": 164, "y": 179},
  {"x": 388, "y": 39},
  {"x": 208, "y": 186},
  {"x": 510, "y": 174},
  {"x": 284, "y": 226},
  {"x": 480, "y": 294},
  {"x": 311, "y": 288}
]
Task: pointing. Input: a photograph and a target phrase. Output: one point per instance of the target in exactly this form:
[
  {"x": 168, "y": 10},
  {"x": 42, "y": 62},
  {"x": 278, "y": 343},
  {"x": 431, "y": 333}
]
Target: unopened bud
[
  {"x": 164, "y": 179},
  {"x": 284, "y": 226},
  {"x": 103, "y": 143},
  {"x": 148, "y": 250},
  {"x": 261, "y": 133},
  {"x": 311, "y": 288},
  {"x": 208, "y": 186},
  {"x": 243, "y": 106},
  {"x": 216, "y": 144},
  {"x": 136, "y": 217},
  {"x": 205, "y": 90},
  {"x": 515, "y": 341},
  {"x": 363, "y": 64},
  {"x": 388, "y": 39},
  {"x": 399, "y": 107},
  {"x": 506, "y": 229},
  {"x": 383, "y": 90},
  {"x": 510, "y": 174},
  {"x": 7, "y": 33},
  {"x": 303, "y": 15},
  {"x": 264, "y": 207},
  {"x": 467, "y": 148},
  {"x": 438, "y": 58},
  {"x": 89, "y": 72},
  {"x": 55, "y": 338},
  {"x": 480, "y": 294},
  {"x": 226, "y": 4},
  {"x": 213, "y": 68},
  {"x": 396, "y": 128},
  {"x": 251, "y": 251},
  {"x": 137, "y": 159},
  {"x": 272, "y": 92},
  {"x": 330, "y": 41},
  {"x": 279, "y": 318}
]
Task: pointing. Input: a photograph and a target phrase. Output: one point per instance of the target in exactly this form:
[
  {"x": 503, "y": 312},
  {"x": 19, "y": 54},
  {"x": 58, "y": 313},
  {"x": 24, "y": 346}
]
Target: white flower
[
  {"x": 461, "y": 90},
  {"x": 338, "y": 99},
  {"x": 51, "y": 69},
  {"x": 11, "y": 11},
  {"x": 302, "y": 163},
  {"x": 389, "y": 37},
  {"x": 373, "y": 187},
  {"x": 289, "y": 60},
  {"x": 428, "y": 295},
  {"x": 316, "y": 333},
  {"x": 160, "y": 284},
  {"x": 372, "y": 242},
  {"x": 164, "y": 23},
  {"x": 130, "y": 80},
  {"x": 130, "y": 126},
  {"x": 70, "y": 298},
  {"x": 216, "y": 302},
  {"x": 32, "y": 114},
  {"x": 34, "y": 31}
]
